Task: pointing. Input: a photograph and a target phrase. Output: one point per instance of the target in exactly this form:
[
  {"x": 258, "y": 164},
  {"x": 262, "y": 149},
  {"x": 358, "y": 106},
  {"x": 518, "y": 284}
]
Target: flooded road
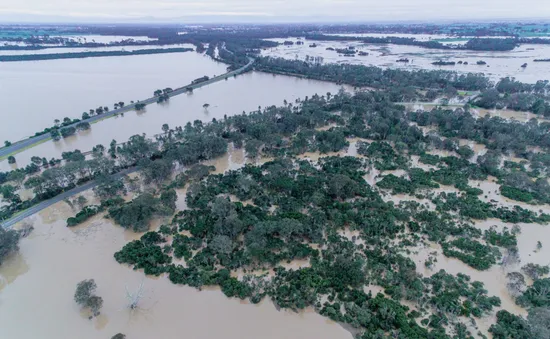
[
  {"x": 499, "y": 64},
  {"x": 36, "y": 93},
  {"x": 244, "y": 93},
  {"x": 43, "y": 278}
]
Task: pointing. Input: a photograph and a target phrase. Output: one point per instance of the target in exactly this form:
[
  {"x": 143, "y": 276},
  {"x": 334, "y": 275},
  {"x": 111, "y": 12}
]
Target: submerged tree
[
  {"x": 516, "y": 283},
  {"x": 535, "y": 271},
  {"x": 539, "y": 320},
  {"x": 9, "y": 240},
  {"x": 134, "y": 297},
  {"x": 85, "y": 296}
]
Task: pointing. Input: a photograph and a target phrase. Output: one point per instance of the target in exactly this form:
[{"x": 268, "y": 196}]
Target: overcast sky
[{"x": 273, "y": 10}]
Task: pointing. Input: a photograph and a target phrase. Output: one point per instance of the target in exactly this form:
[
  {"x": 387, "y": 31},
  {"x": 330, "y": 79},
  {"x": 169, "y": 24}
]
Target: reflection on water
[
  {"x": 13, "y": 267},
  {"x": 233, "y": 159},
  {"x": 499, "y": 64},
  {"x": 243, "y": 93},
  {"x": 34, "y": 94}
]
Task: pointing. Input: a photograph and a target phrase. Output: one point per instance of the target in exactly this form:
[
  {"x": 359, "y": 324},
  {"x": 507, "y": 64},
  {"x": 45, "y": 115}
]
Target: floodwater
[
  {"x": 494, "y": 280},
  {"x": 35, "y": 93},
  {"x": 419, "y": 37},
  {"x": 54, "y": 258},
  {"x": 244, "y": 93},
  {"x": 491, "y": 193},
  {"x": 90, "y": 49},
  {"x": 57, "y": 258},
  {"x": 528, "y": 237},
  {"x": 233, "y": 159},
  {"x": 445, "y": 39},
  {"x": 509, "y": 114},
  {"x": 350, "y": 151},
  {"x": 106, "y": 38},
  {"x": 89, "y": 38},
  {"x": 499, "y": 64}
]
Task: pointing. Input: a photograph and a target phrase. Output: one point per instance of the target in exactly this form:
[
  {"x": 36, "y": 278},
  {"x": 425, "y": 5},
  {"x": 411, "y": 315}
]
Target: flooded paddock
[{"x": 499, "y": 64}]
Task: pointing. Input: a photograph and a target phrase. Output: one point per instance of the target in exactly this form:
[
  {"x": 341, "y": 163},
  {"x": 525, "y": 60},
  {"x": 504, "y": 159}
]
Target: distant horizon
[
  {"x": 235, "y": 20},
  {"x": 270, "y": 11}
]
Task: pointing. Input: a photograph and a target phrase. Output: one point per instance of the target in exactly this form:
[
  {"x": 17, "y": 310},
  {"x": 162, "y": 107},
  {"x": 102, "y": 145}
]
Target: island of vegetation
[{"x": 444, "y": 63}]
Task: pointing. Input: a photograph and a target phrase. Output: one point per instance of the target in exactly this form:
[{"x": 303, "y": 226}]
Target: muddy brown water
[
  {"x": 509, "y": 114},
  {"x": 37, "y": 287},
  {"x": 38, "y": 92},
  {"x": 243, "y": 93},
  {"x": 37, "y": 284}
]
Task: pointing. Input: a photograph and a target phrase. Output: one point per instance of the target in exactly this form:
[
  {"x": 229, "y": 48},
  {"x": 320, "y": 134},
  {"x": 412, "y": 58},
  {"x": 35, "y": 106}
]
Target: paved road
[
  {"x": 25, "y": 143},
  {"x": 47, "y": 203},
  {"x": 20, "y": 145}
]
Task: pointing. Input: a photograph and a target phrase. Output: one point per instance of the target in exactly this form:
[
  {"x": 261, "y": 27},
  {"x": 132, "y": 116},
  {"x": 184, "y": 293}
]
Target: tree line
[
  {"x": 298, "y": 209},
  {"x": 90, "y": 54}
]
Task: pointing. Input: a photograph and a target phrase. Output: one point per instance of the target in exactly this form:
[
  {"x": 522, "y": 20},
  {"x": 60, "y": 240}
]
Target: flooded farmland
[{"x": 499, "y": 64}]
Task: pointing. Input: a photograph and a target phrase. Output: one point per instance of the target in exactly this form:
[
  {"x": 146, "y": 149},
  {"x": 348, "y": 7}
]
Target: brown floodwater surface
[
  {"x": 509, "y": 114},
  {"x": 36, "y": 93},
  {"x": 37, "y": 287},
  {"x": 37, "y": 284},
  {"x": 243, "y": 93}
]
